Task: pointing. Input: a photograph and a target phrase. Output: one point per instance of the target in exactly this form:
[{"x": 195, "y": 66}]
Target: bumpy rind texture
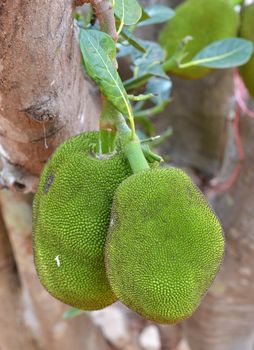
[
  {"x": 206, "y": 21},
  {"x": 164, "y": 246},
  {"x": 71, "y": 214},
  {"x": 247, "y": 32}
]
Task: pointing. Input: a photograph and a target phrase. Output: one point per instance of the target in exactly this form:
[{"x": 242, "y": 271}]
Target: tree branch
[{"x": 105, "y": 14}]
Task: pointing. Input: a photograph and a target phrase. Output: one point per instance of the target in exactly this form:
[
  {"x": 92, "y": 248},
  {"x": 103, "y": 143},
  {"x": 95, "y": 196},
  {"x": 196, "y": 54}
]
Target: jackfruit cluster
[
  {"x": 247, "y": 32},
  {"x": 205, "y": 21},
  {"x": 164, "y": 246},
  {"x": 102, "y": 233},
  {"x": 71, "y": 214}
]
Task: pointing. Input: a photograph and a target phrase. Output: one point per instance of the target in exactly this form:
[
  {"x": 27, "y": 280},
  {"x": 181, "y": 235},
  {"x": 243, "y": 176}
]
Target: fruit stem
[
  {"x": 136, "y": 156},
  {"x": 131, "y": 145}
]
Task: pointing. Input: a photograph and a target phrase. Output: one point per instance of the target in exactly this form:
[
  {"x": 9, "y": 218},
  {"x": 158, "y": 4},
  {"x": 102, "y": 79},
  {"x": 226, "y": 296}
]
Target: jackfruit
[
  {"x": 205, "y": 21},
  {"x": 71, "y": 214},
  {"x": 164, "y": 245},
  {"x": 247, "y": 32}
]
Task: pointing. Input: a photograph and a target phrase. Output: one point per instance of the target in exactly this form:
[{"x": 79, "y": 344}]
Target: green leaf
[
  {"x": 72, "y": 312},
  {"x": 150, "y": 62},
  {"x": 157, "y": 14},
  {"x": 144, "y": 15},
  {"x": 227, "y": 53},
  {"x": 146, "y": 64},
  {"x": 236, "y": 2},
  {"x": 128, "y": 11},
  {"x": 132, "y": 40},
  {"x": 98, "y": 50},
  {"x": 134, "y": 82}
]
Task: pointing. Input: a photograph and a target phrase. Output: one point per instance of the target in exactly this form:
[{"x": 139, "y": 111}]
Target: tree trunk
[
  {"x": 43, "y": 96},
  {"x": 13, "y": 332},
  {"x": 44, "y": 99}
]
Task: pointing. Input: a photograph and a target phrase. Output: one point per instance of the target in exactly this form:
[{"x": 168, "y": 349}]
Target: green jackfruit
[
  {"x": 205, "y": 21},
  {"x": 247, "y": 32},
  {"x": 71, "y": 214},
  {"x": 164, "y": 246}
]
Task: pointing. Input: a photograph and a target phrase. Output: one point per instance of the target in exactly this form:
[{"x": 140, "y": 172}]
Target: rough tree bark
[
  {"x": 44, "y": 99},
  {"x": 11, "y": 316}
]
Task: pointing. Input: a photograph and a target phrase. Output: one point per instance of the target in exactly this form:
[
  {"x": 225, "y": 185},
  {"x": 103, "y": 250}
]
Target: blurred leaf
[
  {"x": 133, "y": 40},
  {"x": 124, "y": 49},
  {"x": 72, "y": 312},
  {"x": 148, "y": 127},
  {"x": 154, "y": 52},
  {"x": 156, "y": 14},
  {"x": 98, "y": 50},
  {"x": 146, "y": 66},
  {"x": 141, "y": 97},
  {"x": 128, "y": 11},
  {"x": 161, "y": 88},
  {"x": 134, "y": 83},
  {"x": 163, "y": 137},
  {"x": 236, "y": 2},
  {"x": 150, "y": 62},
  {"x": 227, "y": 53},
  {"x": 150, "y": 112},
  {"x": 144, "y": 15}
]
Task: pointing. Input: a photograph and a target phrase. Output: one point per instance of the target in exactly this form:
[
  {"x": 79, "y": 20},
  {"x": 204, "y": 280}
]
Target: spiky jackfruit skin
[
  {"x": 205, "y": 21},
  {"x": 247, "y": 32},
  {"x": 164, "y": 246},
  {"x": 71, "y": 214}
]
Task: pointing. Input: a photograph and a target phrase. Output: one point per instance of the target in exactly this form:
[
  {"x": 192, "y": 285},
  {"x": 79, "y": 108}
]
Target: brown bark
[
  {"x": 198, "y": 116},
  {"x": 11, "y": 315},
  {"x": 43, "y": 96}
]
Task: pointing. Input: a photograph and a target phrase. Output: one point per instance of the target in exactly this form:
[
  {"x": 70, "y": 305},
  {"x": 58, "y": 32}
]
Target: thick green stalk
[{"x": 132, "y": 147}]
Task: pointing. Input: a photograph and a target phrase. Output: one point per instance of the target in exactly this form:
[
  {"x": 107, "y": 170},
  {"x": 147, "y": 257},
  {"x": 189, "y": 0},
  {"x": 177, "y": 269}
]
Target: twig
[
  {"x": 241, "y": 95},
  {"x": 105, "y": 14}
]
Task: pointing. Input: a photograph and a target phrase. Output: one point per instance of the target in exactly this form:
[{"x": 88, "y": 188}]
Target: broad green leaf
[
  {"x": 128, "y": 11},
  {"x": 72, "y": 312},
  {"x": 157, "y": 14},
  {"x": 97, "y": 51},
  {"x": 227, "y": 53}
]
